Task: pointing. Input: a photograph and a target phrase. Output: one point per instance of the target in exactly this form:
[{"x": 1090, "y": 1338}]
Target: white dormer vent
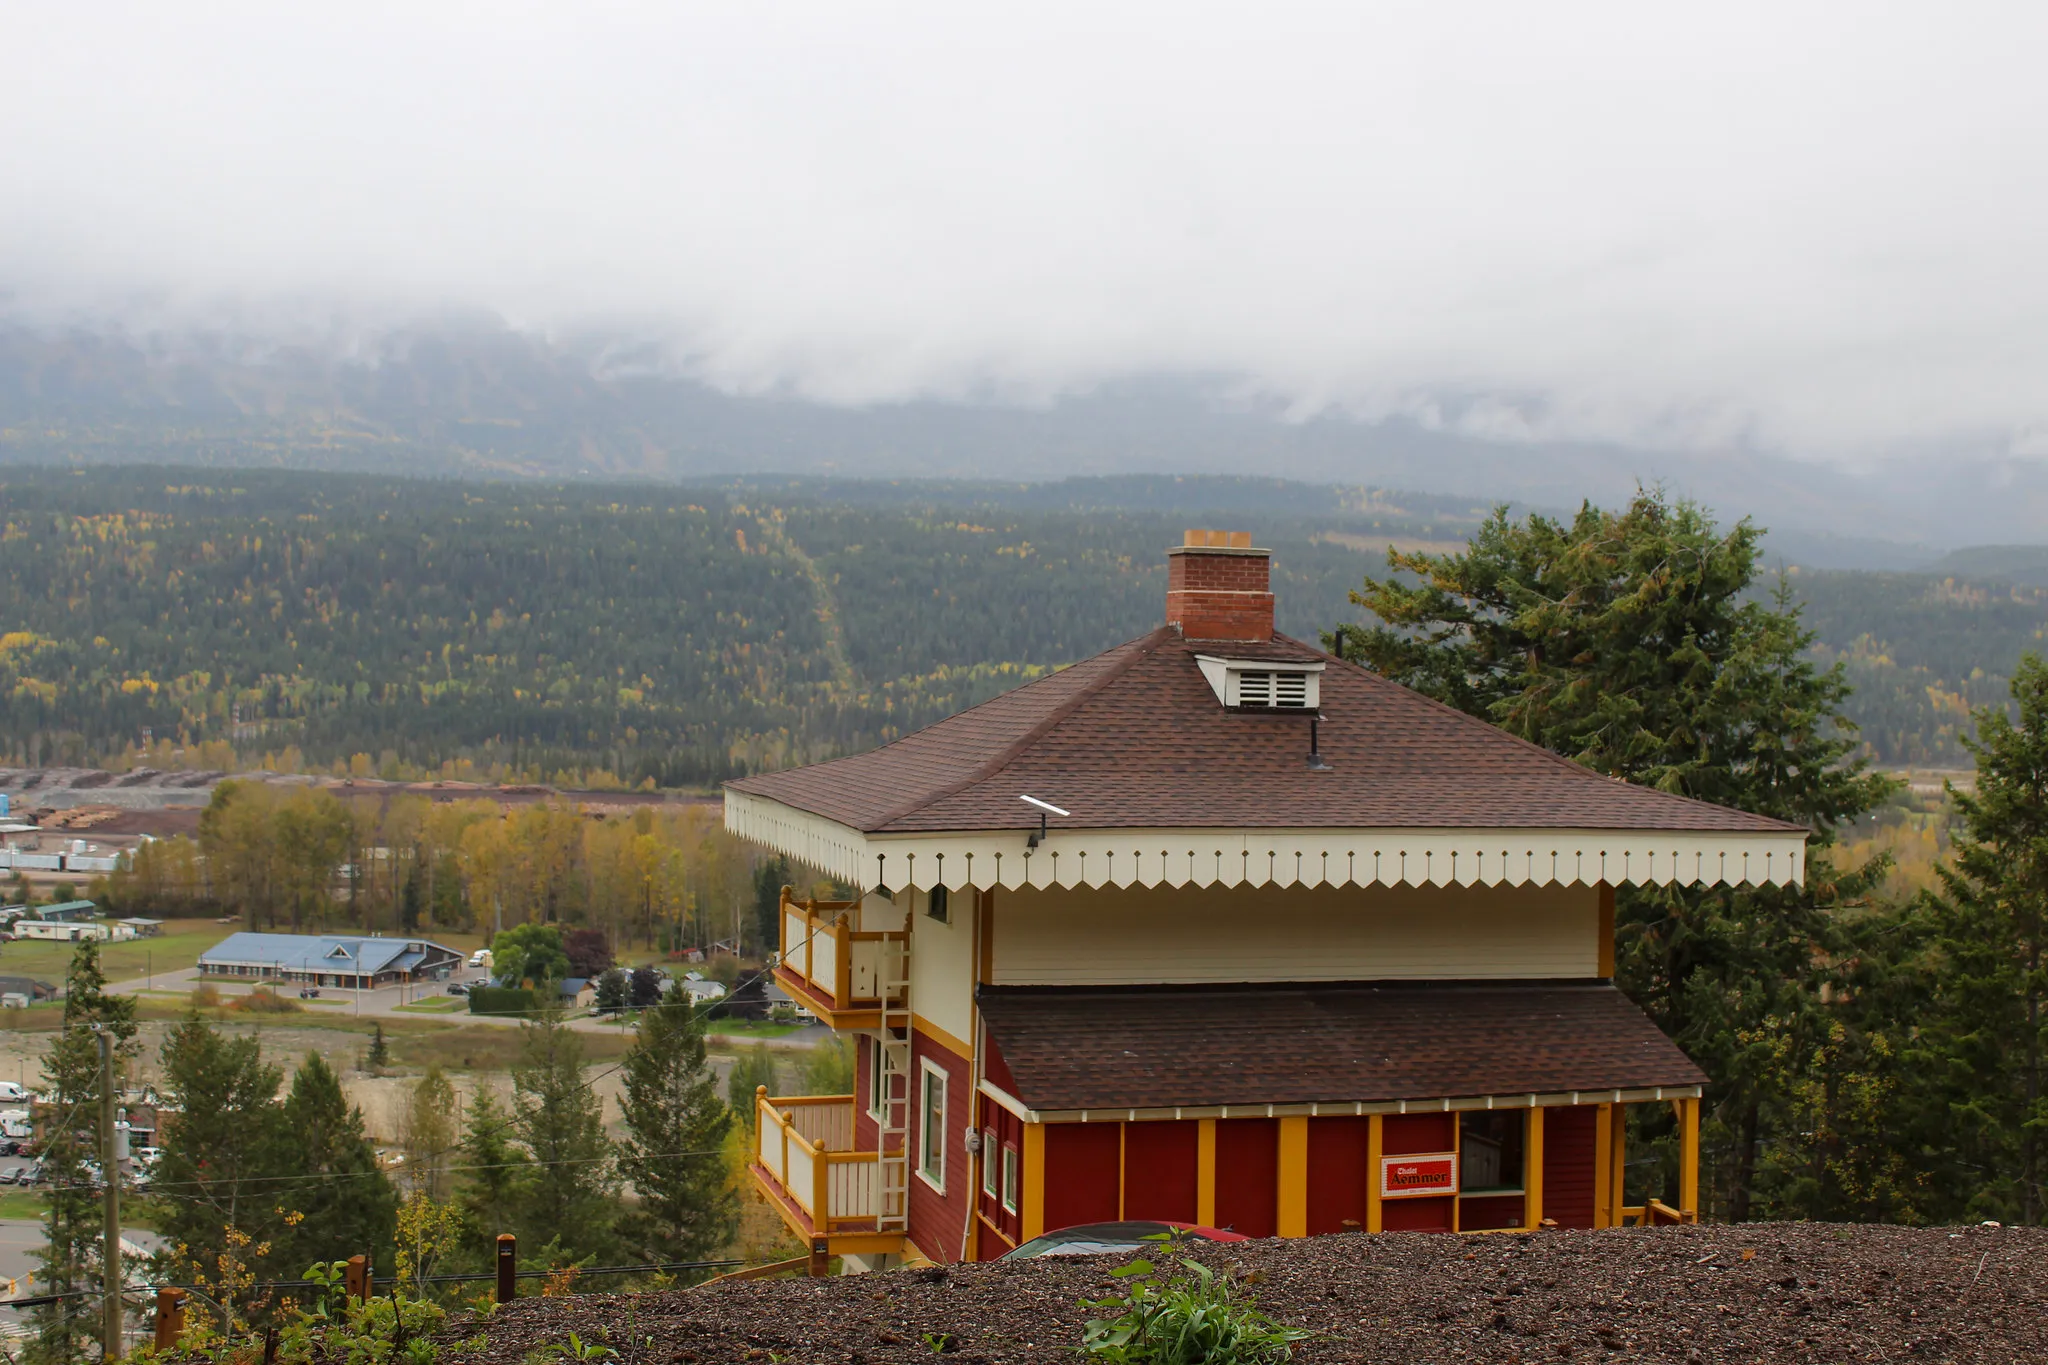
[{"x": 1262, "y": 684}]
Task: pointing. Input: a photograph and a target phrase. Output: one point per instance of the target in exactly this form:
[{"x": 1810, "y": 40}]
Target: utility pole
[{"x": 110, "y": 1173}]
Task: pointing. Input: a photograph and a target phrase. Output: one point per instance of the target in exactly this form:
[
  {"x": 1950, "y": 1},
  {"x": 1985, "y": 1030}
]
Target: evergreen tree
[
  {"x": 567, "y": 1192},
  {"x": 675, "y": 1136},
  {"x": 379, "y": 1055},
  {"x": 613, "y": 991},
  {"x": 69, "y": 1260},
  {"x": 753, "y": 1069},
  {"x": 225, "y": 1160},
  {"x": 348, "y": 1205},
  {"x": 769, "y": 878},
  {"x": 493, "y": 1169},
  {"x": 1632, "y": 643},
  {"x": 1985, "y": 1031}
]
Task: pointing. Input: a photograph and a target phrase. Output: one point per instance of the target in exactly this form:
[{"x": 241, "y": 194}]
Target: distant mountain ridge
[{"x": 471, "y": 396}]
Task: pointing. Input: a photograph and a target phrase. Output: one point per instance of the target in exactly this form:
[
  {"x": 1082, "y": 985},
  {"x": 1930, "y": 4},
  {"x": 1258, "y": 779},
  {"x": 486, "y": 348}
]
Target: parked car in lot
[
  {"x": 457, "y": 988},
  {"x": 1121, "y": 1239},
  {"x": 309, "y": 993},
  {"x": 480, "y": 958},
  {"x": 13, "y": 1092}
]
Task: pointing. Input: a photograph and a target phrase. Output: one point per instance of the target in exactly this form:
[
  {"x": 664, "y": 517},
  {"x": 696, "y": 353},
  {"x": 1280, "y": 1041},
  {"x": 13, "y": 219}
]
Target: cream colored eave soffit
[{"x": 1263, "y": 857}]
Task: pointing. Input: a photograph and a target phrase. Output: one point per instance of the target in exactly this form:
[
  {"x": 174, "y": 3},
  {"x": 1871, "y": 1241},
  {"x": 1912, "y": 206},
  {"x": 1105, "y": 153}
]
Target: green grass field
[{"x": 176, "y": 948}]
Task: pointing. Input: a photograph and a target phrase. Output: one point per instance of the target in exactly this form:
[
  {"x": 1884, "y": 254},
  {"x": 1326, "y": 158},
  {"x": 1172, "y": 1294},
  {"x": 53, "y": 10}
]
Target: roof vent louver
[{"x": 1263, "y": 685}]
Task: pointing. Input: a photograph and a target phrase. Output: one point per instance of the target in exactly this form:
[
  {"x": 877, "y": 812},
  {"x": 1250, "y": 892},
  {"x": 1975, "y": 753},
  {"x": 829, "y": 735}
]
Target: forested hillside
[{"x": 650, "y": 633}]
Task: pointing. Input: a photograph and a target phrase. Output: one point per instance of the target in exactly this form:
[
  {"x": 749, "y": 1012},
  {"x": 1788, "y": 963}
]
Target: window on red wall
[
  {"x": 1011, "y": 1162},
  {"x": 931, "y": 1128},
  {"x": 988, "y": 1162}
]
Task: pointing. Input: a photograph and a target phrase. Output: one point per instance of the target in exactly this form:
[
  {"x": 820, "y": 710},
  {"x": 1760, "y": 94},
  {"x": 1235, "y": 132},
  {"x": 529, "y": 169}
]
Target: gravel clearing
[{"x": 1760, "y": 1292}]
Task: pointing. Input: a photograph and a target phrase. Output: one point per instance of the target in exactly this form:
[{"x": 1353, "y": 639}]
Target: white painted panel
[
  {"x": 1113, "y": 936},
  {"x": 798, "y": 1179},
  {"x": 942, "y": 963}
]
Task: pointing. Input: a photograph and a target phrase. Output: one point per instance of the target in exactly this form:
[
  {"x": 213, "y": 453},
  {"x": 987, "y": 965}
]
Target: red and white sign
[{"x": 1408, "y": 1177}]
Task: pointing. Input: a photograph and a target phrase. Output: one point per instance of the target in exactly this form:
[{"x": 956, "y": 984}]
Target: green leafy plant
[
  {"x": 1185, "y": 1315},
  {"x": 576, "y": 1348},
  {"x": 938, "y": 1343}
]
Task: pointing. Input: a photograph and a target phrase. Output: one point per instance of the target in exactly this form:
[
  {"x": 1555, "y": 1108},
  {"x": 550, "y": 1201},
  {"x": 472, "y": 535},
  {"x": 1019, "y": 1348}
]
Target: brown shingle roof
[
  {"x": 1134, "y": 737},
  {"x": 1148, "y": 1047}
]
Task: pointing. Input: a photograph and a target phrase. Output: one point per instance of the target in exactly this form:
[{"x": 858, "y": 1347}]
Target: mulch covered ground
[{"x": 1784, "y": 1292}]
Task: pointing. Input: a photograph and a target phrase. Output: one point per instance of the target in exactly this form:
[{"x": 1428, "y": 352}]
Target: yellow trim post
[
  {"x": 1603, "y": 1161},
  {"x": 1689, "y": 1159},
  {"x": 1374, "y": 1145},
  {"x": 1034, "y": 1180},
  {"x": 1532, "y": 1170},
  {"x": 1617, "y": 1162},
  {"x": 1205, "y": 1172},
  {"x": 1293, "y": 1173},
  {"x": 1123, "y": 1156}
]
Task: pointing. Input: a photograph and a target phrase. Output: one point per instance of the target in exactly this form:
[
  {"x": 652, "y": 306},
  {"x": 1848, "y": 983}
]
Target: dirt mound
[{"x": 1784, "y": 1292}]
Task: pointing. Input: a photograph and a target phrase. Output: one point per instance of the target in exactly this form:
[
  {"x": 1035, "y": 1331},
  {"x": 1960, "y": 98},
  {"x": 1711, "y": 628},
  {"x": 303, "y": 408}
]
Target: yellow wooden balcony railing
[
  {"x": 803, "y": 1150},
  {"x": 825, "y": 950}
]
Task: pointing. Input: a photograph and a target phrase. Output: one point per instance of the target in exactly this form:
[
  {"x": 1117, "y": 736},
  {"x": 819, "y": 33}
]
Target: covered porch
[{"x": 806, "y": 1166}]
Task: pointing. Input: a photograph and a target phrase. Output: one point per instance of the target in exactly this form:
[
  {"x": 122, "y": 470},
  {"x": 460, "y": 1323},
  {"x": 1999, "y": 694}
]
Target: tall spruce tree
[
  {"x": 1984, "y": 1034},
  {"x": 225, "y": 1160},
  {"x": 347, "y": 1206},
  {"x": 492, "y": 1169},
  {"x": 566, "y": 1192},
  {"x": 69, "y": 1260},
  {"x": 675, "y": 1136},
  {"x": 1633, "y": 642}
]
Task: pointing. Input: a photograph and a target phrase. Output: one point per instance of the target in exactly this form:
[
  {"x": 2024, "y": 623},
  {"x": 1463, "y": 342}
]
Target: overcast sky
[{"x": 1815, "y": 228}]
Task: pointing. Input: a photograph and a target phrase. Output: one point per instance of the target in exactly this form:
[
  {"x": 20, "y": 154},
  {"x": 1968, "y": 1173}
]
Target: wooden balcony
[
  {"x": 805, "y": 1164},
  {"x": 834, "y": 968}
]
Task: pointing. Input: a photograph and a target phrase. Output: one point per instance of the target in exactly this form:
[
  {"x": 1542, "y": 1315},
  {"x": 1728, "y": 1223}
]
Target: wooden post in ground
[
  {"x": 355, "y": 1279},
  {"x": 820, "y": 1262},
  {"x": 170, "y": 1318},
  {"x": 508, "y": 1267}
]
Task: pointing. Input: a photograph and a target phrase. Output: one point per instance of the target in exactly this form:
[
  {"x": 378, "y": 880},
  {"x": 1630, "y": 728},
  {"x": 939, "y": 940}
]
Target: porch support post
[
  {"x": 1617, "y": 1161},
  {"x": 1603, "y": 1163},
  {"x": 1689, "y": 1159},
  {"x": 1205, "y": 1172},
  {"x": 1034, "y": 1181},
  {"x": 1532, "y": 1170},
  {"x": 1375, "y": 1139},
  {"x": 1293, "y": 1210},
  {"x": 1603, "y": 951}
]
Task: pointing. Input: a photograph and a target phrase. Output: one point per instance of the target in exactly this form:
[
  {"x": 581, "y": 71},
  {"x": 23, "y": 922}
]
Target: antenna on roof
[{"x": 1044, "y": 807}]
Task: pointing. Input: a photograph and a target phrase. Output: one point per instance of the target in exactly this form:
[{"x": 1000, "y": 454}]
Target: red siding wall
[
  {"x": 938, "y": 1221},
  {"x": 1337, "y": 1174},
  {"x": 1492, "y": 1211},
  {"x": 1248, "y": 1176},
  {"x": 1569, "y": 1139},
  {"x": 1081, "y": 1173},
  {"x": 1001, "y": 1131},
  {"x": 1161, "y": 1161},
  {"x": 866, "y": 1132},
  {"x": 1403, "y": 1133}
]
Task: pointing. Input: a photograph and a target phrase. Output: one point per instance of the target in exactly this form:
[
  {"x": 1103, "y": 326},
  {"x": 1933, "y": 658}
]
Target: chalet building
[{"x": 1214, "y": 927}]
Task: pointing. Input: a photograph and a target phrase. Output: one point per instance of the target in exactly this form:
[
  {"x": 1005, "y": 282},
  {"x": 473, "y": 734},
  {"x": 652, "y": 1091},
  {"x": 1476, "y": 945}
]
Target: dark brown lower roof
[{"x": 1148, "y": 1047}]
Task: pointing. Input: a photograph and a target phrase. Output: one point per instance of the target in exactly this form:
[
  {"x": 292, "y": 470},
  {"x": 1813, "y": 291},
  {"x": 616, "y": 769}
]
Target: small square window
[
  {"x": 988, "y": 1162},
  {"x": 1010, "y": 1164},
  {"x": 931, "y": 1128}
]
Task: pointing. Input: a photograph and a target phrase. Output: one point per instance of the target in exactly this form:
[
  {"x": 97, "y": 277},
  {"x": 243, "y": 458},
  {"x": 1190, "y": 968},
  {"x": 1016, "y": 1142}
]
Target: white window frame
[
  {"x": 931, "y": 1153},
  {"x": 989, "y": 1148},
  {"x": 1012, "y": 1177},
  {"x": 878, "y": 1101}
]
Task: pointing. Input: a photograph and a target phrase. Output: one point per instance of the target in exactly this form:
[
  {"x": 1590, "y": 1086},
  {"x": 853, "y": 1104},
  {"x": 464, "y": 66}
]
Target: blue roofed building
[{"x": 348, "y": 961}]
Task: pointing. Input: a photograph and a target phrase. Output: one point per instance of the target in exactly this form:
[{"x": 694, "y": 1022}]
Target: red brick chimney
[{"x": 1219, "y": 588}]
